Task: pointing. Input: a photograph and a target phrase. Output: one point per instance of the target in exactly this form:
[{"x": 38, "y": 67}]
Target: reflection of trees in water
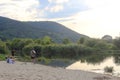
[
  {"x": 99, "y": 58},
  {"x": 95, "y": 58},
  {"x": 116, "y": 59}
]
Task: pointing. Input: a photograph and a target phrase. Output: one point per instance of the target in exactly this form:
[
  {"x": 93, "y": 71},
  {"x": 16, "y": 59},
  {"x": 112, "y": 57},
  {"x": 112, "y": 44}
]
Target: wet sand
[{"x": 30, "y": 71}]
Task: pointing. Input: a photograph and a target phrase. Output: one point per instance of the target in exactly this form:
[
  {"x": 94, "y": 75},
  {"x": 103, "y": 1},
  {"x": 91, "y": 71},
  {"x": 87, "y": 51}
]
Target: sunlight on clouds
[
  {"x": 58, "y": 1},
  {"x": 56, "y": 8},
  {"x": 101, "y": 3},
  {"x": 97, "y": 22},
  {"x": 95, "y": 3},
  {"x": 20, "y": 9},
  {"x": 57, "y": 5}
]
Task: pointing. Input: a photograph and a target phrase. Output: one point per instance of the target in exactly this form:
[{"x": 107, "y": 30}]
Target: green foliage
[
  {"x": 66, "y": 41},
  {"x": 99, "y": 45},
  {"x": 46, "y": 48},
  {"x": 28, "y": 48},
  {"x": 91, "y": 42},
  {"x": 24, "y": 58},
  {"x": 3, "y": 48},
  {"x": 2, "y": 57},
  {"x": 81, "y": 41},
  {"x": 46, "y": 40},
  {"x": 38, "y": 41},
  {"x": 44, "y": 60},
  {"x": 18, "y": 43},
  {"x": 58, "y": 51},
  {"x": 117, "y": 43},
  {"x": 64, "y": 51}
]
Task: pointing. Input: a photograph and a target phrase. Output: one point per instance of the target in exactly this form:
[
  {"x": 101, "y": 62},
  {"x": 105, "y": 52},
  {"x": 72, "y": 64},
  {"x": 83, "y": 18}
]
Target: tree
[
  {"x": 91, "y": 42},
  {"x": 81, "y": 40},
  {"x": 66, "y": 41},
  {"x": 38, "y": 41},
  {"x": 18, "y": 43},
  {"x": 3, "y": 48},
  {"x": 46, "y": 40},
  {"x": 117, "y": 43}
]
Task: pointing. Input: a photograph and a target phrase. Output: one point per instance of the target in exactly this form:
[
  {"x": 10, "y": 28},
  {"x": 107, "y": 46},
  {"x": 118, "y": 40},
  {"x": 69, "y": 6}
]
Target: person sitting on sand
[
  {"x": 10, "y": 60},
  {"x": 7, "y": 59}
]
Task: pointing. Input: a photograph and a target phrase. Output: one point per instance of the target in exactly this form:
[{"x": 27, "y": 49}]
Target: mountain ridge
[{"x": 10, "y": 29}]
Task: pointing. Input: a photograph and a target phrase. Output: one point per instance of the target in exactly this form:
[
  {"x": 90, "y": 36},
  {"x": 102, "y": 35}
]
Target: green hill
[{"x": 10, "y": 29}]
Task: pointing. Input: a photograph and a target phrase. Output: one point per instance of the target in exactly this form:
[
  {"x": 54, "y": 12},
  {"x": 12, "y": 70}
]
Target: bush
[
  {"x": 44, "y": 60},
  {"x": 24, "y": 58},
  {"x": 2, "y": 57},
  {"x": 108, "y": 69},
  {"x": 3, "y": 48}
]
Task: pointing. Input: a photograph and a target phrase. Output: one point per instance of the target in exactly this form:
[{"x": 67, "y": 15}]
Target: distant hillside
[{"x": 10, "y": 29}]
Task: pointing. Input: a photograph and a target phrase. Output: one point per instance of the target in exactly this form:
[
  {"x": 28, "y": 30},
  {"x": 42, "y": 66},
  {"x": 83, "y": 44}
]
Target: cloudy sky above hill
[{"x": 94, "y": 18}]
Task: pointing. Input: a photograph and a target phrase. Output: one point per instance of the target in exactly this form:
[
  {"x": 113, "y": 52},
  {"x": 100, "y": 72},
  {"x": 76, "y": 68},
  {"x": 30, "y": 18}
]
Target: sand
[{"x": 30, "y": 71}]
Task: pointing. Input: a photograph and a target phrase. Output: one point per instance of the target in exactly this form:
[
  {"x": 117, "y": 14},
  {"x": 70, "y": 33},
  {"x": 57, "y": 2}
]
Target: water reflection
[
  {"x": 94, "y": 58},
  {"x": 117, "y": 59},
  {"x": 97, "y": 63}
]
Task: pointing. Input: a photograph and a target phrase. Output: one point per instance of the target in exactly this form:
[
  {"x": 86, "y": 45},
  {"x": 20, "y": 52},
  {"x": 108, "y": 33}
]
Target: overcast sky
[{"x": 94, "y": 18}]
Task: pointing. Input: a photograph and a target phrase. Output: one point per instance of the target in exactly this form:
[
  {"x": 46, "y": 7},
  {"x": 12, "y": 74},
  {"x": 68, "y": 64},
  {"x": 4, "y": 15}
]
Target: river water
[{"x": 98, "y": 68}]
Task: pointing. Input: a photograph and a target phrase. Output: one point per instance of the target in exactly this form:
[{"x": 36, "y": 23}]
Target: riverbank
[{"x": 30, "y": 71}]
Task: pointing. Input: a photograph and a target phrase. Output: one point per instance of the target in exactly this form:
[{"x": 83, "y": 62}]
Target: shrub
[
  {"x": 108, "y": 69},
  {"x": 44, "y": 60},
  {"x": 2, "y": 57}
]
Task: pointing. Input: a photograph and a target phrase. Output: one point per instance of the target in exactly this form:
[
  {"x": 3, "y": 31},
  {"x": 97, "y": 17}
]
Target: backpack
[{"x": 33, "y": 53}]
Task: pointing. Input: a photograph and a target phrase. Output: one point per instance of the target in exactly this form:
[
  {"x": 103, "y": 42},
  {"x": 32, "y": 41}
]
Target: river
[{"x": 98, "y": 68}]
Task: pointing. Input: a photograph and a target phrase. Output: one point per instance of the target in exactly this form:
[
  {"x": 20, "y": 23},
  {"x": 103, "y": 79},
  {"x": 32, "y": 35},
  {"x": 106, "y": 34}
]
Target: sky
[{"x": 94, "y": 18}]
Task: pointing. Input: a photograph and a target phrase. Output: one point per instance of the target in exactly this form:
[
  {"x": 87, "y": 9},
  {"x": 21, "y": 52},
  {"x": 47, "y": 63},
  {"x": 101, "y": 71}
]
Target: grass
[
  {"x": 2, "y": 57},
  {"x": 23, "y": 59}
]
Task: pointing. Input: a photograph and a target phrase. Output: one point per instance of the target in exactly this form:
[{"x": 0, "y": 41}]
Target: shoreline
[{"x": 30, "y": 71}]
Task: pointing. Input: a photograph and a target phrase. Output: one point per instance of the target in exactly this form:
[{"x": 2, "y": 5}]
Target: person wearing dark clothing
[
  {"x": 33, "y": 55},
  {"x": 13, "y": 53}
]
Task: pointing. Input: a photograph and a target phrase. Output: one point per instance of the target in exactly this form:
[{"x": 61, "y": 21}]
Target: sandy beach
[{"x": 30, "y": 71}]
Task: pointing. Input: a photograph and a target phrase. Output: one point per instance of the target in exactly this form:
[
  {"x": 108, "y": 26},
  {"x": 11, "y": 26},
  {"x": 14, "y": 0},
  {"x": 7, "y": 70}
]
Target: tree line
[{"x": 46, "y": 47}]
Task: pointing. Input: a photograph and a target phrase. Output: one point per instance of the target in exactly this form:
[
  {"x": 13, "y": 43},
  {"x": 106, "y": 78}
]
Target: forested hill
[{"x": 10, "y": 29}]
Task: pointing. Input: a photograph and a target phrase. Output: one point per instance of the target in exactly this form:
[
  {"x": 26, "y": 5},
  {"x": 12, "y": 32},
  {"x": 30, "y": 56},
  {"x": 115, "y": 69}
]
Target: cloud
[
  {"x": 98, "y": 21},
  {"x": 20, "y": 9},
  {"x": 101, "y": 3},
  {"x": 56, "y": 8},
  {"x": 58, "y": 1},
  {"x": 38, "y": 9},
  {"x": 56, "y": 5}
]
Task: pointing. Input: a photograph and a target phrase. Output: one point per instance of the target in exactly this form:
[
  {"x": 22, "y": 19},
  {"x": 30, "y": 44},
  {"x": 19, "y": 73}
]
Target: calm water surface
[{"x": 98, "y": 68}]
